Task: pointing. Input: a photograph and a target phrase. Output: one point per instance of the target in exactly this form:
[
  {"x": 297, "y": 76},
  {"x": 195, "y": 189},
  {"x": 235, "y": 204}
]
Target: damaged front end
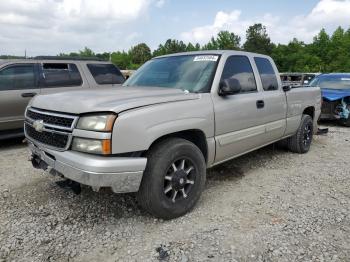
[
  {"x": 342, "y": 110},
  {"x": 337, "y": 110}
]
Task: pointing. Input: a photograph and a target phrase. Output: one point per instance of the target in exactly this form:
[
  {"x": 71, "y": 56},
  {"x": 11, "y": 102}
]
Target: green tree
[
  {"x": 211, "y": 45},
  {"x": 140, "y": 53},
  {"x": 171, "y": 46},
  {"x": 121, "y": 59},
  {"x": 86, "y": 52},
  {"x": 190, "y": 47},
  {"x": 104, "y": 56},
  {"x": 257, "y": 40},
  {"x": 228, "y": 41}
]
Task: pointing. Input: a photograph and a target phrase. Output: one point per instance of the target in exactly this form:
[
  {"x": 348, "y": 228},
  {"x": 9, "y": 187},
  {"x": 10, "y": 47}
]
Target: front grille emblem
[{"x": 39, "y": 125}]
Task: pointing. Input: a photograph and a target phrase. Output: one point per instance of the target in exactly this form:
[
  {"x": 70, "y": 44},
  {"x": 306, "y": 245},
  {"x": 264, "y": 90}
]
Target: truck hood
[
  {"x": 113, "y": 99},
  {"x": 335, "y": 94}
]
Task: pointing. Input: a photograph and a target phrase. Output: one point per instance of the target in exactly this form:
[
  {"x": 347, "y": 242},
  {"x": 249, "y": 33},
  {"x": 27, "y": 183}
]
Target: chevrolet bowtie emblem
[{"x": 39, "y": 125}]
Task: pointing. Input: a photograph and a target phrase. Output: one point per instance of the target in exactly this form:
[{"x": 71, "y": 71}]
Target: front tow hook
[{"x": 38, "y": 163}]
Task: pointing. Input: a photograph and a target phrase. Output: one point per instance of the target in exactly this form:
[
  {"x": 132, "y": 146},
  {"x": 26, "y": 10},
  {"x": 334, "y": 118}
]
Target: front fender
[{"x": 135, "y": 130}]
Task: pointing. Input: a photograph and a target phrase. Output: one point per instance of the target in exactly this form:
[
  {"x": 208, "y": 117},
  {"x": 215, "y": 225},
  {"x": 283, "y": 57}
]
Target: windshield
[
  {"x": 193, "y": 73},
  {"x": 332, "y": 81}
]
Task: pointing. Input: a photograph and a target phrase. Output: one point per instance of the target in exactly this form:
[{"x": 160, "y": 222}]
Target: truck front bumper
[{"x": 121, "y": 174}]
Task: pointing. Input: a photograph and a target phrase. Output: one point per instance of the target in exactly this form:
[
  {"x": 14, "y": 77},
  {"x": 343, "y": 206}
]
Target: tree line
[{"x": 326, "y": 53}]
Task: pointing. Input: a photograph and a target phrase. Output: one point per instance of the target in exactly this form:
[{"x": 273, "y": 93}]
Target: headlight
[
  {"x": 93, "y": 146},
  {"x": 102, "y": 122}
]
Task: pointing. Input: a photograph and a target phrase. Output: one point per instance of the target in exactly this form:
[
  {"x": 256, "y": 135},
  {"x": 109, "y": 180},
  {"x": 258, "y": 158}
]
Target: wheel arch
[
  {"x": 310, "y": 110},
  {"x": 196, "y": 136}
]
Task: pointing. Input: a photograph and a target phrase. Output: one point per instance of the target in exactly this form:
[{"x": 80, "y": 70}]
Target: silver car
[{"x": 21, "y": 80}]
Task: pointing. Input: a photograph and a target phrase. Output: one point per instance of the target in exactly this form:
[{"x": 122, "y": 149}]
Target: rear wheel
[
  {"x": 301, "y": 141},
  {"x": 174, "y": 178}
]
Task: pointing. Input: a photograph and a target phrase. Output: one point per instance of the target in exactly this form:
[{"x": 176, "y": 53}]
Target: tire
[
  {"x": 166, "y": 173},
  {"x": 301, "y": 141}
]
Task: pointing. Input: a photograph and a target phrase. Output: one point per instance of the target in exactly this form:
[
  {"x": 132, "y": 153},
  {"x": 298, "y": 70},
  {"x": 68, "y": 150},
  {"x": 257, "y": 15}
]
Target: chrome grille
[
  {"x": 56, "y": 130},
  {"x": 51, "y": 118}
]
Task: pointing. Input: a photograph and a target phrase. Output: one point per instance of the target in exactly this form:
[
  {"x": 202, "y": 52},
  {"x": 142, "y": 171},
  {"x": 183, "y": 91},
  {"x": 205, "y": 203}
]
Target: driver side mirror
[{"x": 229, "y": 86}]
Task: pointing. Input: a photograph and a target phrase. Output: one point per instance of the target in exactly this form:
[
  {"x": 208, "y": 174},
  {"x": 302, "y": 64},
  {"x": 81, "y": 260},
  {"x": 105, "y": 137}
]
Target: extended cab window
[
  {"x": 267, "y": 74},
  {"x": 240, "y": 69},
  {"x": 106, "y": 74},
  {"x": 18, "y": 77},
  {"x": 61, "y": 75}
]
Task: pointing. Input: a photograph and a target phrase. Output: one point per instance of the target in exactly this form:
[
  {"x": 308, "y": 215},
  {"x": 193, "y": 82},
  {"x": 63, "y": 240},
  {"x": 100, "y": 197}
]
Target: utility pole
[{"x": 25, "y": 53}]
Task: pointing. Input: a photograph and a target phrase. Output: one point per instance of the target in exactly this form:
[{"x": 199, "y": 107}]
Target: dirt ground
[{"x": 270, "y": 205}]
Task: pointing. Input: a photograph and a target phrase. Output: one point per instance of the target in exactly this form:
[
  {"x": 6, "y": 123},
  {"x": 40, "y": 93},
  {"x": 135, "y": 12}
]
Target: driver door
[{"x": 239, "y": 118}]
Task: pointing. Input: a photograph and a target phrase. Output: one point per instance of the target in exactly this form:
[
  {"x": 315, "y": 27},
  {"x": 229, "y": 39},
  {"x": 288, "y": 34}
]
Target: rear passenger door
[
  {"x": 239, "y": 119},
  {"x": 275, "y": 104},
  {"x": 57, "y": 76},
  {"x": 18, "y": 84}
]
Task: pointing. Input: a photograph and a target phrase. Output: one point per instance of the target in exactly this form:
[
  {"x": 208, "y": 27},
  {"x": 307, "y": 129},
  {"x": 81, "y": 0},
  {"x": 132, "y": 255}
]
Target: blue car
[{"x": 335, "y": 95}]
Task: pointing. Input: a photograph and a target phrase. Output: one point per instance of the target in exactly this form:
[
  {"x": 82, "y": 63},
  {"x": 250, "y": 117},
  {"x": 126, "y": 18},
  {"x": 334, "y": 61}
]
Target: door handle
[
  {"x": 28, "y": 94},
  {"x": 260, "y": 104}
]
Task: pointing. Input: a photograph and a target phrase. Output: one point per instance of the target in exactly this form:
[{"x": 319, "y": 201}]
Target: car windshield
[
  {"x": 193, "y": 73},
  {"x": 332, "y": 81}
]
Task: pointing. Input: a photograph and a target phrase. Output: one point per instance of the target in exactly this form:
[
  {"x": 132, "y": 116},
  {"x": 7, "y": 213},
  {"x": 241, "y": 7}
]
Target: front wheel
[
  {"x": 174, "y": 178},
  {"x": 301, "y": 141}
]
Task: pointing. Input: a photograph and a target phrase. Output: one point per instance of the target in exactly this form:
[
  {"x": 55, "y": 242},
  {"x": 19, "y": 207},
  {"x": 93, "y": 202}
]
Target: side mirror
[
  {"x": 229, "y": 86},
  {"x": 286, "y": 88}
]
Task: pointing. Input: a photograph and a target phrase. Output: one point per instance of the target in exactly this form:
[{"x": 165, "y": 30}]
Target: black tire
[
  {"x": 301, "y": 141},
  {"x": 161, "y": 175}
]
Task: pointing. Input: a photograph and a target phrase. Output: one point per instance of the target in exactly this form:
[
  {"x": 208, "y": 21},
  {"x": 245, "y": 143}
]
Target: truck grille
[
  {"x": 53, "y": 120},
  {"x": 50, "y": 129},
  {"x": 55, "y": 140}
]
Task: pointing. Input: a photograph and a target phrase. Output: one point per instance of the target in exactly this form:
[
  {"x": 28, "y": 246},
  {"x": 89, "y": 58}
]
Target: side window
[
  {"x": 61, "y": 75},
  {"x": 18, "y": 77},
  {"x": 267, "y": 74},
  {"x": 106, "y": 74},
  {"x": 240, "y": 69}
]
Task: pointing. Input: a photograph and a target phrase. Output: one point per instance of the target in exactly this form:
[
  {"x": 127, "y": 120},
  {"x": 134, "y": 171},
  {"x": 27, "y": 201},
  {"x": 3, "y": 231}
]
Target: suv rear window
[
  {"x": 61, "y": 75},
  {"x": 267, "y": 74},
  {"x": 106, "y": 74}
]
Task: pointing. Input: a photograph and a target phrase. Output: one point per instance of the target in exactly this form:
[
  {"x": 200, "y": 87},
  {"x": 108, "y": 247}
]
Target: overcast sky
[{"x": 48, "y": 27}]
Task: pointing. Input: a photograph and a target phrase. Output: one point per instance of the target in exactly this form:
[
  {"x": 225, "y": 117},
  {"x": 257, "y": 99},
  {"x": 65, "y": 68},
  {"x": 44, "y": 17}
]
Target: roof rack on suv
[{"x": 75, "y": 58}]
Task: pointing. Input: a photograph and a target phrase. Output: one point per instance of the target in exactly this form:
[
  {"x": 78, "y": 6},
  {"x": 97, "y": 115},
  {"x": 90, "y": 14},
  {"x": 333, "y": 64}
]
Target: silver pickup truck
[{"x": 175, "y": 117}]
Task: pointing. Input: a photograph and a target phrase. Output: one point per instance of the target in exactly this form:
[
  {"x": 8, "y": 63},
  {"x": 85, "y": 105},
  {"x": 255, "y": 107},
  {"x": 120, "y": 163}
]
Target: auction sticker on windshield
[{"x": 201, "y": 58}]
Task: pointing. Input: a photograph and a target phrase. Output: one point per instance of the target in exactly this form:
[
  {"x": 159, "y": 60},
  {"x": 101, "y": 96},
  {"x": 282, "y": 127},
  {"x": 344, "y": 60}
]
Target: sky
[{"x": 49, "y": 27}]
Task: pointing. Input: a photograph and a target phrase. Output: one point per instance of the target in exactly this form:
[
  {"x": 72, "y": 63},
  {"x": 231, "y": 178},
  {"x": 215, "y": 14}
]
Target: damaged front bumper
[
  {"x": 121, "y": 174},
  {"x": 336, "y": 110}
]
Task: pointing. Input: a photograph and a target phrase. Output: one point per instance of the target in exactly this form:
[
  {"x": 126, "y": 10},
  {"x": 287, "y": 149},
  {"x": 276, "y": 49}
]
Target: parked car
[
  {"x": 336, "y": 96},
  {"x": 297, "y": 79},
  {"x": 20, "y": 80},
  {"x": 173, "y": 118}
]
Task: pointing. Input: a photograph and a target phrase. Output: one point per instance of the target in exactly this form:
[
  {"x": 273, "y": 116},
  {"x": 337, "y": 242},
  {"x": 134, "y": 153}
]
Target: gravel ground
[{"x": 270, "y": 205}]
